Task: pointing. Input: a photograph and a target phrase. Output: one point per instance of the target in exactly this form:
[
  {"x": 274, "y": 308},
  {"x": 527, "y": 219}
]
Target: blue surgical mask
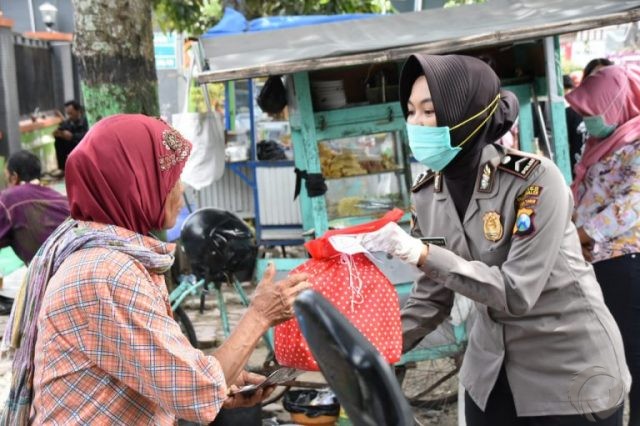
[
  {"x": 597, "y": 127},
  {"x": 431, "y": 146}
]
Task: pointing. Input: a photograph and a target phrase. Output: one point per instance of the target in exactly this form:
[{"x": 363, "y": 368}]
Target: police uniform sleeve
[
  {"x": 515, "y": 286},
  {"x": 429, "y": 304}
]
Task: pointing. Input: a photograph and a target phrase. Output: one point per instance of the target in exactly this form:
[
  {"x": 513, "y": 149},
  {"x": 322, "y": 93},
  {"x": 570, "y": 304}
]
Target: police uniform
[{"x": 541, "y": 313}]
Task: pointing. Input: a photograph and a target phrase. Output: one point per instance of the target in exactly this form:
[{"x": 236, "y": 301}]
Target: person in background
[
  {"x": 543, "y": 349},
  {"x": 96, "y": 340},
  {"x": 595, "y": 65},
  {"x": 606, "y": 190},
  {"x": 575, "y": 126},
  {"x": 511, "y": 139},
  {"x": 29, "y": 212},
  {"x": 70, "y": 132}
]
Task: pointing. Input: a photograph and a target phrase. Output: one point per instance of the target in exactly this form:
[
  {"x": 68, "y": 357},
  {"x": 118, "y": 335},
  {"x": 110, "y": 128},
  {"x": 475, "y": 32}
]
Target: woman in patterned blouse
[{"x": 606, "y": 190}]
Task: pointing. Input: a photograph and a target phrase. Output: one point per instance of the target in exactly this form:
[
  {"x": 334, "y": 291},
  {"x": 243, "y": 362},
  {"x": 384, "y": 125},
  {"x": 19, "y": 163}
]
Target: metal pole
[
  {"x": 32, "y": 16},
  {"x": 556, "y": 105}
]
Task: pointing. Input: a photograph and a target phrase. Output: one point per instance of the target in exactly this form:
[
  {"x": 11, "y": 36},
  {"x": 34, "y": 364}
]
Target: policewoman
[{"x": 544, "y": 349}]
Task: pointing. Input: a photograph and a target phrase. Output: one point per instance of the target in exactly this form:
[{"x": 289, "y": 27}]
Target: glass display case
[
  {"x": 359, "y": 149},
  {"x": 364, "y": 175}
]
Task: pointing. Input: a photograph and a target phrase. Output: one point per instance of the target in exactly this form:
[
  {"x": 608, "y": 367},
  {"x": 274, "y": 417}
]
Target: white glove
[{"x": 394, "y": 241}]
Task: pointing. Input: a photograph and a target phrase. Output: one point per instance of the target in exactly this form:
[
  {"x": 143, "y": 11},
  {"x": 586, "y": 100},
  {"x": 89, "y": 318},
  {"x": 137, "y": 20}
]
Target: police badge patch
[
  {"x": 524, "y": 222},
  {"x": 525, "y": 210},
  {"x": 492, "y": 226}
]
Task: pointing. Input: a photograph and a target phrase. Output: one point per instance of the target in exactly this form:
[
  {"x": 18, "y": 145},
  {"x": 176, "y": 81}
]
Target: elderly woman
[
  {"x": 607, "y": 193},
  {"x": 544, "y": 349},
  {"x": 97, "y": 342}
]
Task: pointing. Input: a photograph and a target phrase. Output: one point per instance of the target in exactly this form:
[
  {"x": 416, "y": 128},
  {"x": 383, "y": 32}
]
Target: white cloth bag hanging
[{"x": 206, "y": 133}]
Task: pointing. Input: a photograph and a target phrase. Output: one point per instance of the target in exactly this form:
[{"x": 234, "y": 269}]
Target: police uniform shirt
[{"x": 516, "y": 253}]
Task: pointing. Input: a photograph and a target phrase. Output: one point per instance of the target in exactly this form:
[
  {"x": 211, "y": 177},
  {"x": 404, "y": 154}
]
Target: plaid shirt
[{"x": 108, "y": 350}]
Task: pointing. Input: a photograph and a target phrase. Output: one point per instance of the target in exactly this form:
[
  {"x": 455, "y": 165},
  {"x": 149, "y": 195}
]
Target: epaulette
[
  {"x": 518, "y": 164},
  {"x": 423, "y": 179}
]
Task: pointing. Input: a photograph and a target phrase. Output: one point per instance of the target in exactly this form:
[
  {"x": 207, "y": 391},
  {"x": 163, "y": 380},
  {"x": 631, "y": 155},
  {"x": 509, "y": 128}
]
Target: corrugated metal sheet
[
  {"x": 275, "y": 194},
  {"x": 230, "y": 193}
]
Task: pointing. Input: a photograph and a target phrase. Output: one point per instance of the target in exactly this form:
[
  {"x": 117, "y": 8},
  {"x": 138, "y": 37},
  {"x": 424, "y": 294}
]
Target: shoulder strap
[
  {"x": 518, "y": 164},
  {"x": 423, "y": 179}
]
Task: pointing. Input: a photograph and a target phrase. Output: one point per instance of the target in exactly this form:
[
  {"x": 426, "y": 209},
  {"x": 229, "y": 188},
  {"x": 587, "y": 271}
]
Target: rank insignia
[
  {"x": 486, "y": 180},
  {"x": 437, "y": 183},
  {"x": 492, "y": 226},
  {"x": 519, "y": 165},
  {"x": 414, "y": 218},
  {"x": 524, "y": 222}
]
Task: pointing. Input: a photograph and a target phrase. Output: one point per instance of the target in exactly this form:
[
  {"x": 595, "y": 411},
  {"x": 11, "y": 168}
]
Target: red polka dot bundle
[{"x": 357, "y": 288}]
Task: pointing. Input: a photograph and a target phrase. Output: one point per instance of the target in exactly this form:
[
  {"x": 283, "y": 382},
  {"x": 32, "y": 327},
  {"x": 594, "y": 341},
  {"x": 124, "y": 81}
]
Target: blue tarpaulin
[{"x": 234, "y": 22}]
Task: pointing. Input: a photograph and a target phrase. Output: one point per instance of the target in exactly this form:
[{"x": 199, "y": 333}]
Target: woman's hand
[
  {"x": 274, "y": 301},
  {"x": 236, "y": 400},
  {"x": 393, "y": 240},
  {"x": 587, "y": 244}
]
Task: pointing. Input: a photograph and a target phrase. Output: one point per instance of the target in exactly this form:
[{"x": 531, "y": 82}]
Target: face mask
[
  {"x": 431, "y": 146},
  {"x": 597, "y": 127}
]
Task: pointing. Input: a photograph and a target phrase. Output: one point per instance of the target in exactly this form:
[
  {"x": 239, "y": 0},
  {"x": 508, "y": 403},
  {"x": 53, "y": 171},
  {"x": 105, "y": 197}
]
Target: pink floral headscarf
[{"x": 613, "y": 91}]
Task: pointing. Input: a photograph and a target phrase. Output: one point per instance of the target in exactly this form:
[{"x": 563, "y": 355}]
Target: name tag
[{"x": 437, "y": 241}]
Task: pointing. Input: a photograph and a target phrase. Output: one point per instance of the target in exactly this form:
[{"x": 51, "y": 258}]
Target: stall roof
[{"x": 392, "y": 37}]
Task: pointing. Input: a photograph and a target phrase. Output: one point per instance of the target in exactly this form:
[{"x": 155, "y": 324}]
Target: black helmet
[{"x": 218, "y": 242}]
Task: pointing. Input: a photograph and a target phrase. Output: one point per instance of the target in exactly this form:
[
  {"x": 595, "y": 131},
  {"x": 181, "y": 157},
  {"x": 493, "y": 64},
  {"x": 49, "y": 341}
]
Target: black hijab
[{"x": 461, "y": 86}]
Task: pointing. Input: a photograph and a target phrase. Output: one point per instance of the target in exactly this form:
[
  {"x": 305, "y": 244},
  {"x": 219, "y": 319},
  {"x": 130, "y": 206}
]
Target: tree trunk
[{"x": 114, "y": 47}]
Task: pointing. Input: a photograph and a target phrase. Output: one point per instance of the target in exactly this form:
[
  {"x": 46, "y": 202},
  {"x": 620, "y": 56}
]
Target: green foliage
[
  {"x": 258, "y": 8},
  {"x": 196, "y": 16},
  {"x": 196, "y": 97},
  {"x": 190, "y": 16}
]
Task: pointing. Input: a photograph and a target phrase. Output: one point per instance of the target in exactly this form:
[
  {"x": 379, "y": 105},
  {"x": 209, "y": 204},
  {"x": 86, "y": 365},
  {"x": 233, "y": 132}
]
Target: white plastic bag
[{"x": 206, "y": 132}]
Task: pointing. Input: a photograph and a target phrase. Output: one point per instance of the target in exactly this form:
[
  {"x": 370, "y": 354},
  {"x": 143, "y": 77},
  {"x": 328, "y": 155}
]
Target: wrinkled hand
[
  {"x": 394, "y": 241},
  {"x": 237, "y": 400},
  {"x": 587, "y": 244},
  {"x": 274, "y": 301}
]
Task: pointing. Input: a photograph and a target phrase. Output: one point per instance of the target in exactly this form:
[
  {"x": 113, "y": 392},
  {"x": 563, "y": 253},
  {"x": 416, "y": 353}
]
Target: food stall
[{"x": 340, "y": 78}]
